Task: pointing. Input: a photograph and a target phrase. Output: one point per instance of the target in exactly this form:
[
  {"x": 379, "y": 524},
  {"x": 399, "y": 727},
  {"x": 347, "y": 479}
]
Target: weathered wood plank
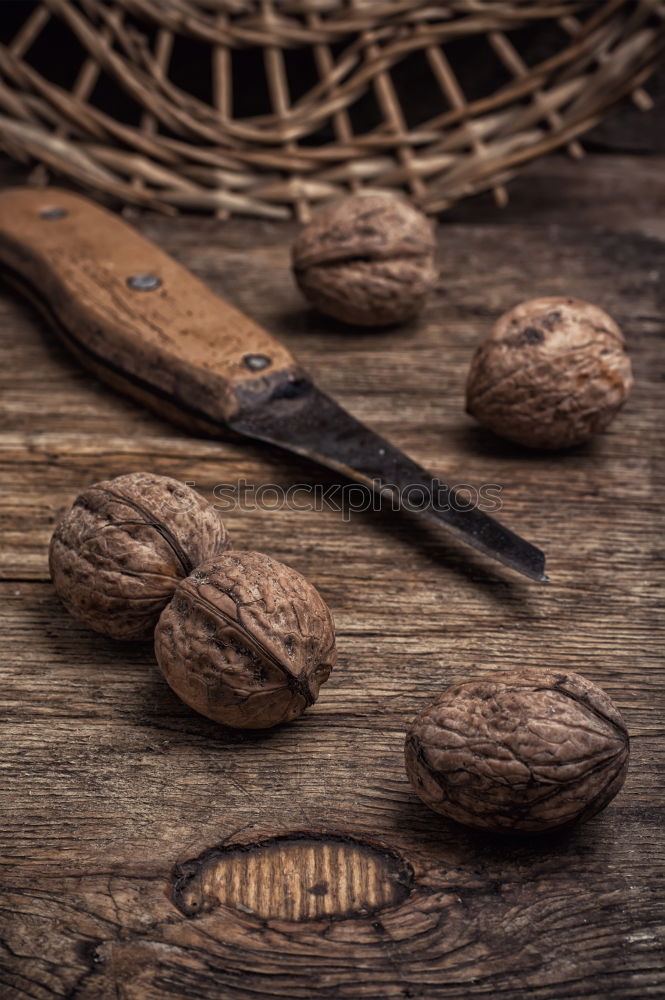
[{"x": 108, "y": 781}]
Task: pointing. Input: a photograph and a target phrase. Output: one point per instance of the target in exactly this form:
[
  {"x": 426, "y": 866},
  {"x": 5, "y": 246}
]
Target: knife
[{"x": 147, "y": 326}]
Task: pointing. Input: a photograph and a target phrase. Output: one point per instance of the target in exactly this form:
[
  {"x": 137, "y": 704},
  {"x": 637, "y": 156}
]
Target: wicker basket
[{"x": 279, "y": 104}]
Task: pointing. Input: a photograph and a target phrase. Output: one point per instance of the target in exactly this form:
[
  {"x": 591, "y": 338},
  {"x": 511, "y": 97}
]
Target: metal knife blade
[
  {"x": 147, "y": 326},
  {"x": 310, "y": 423}
]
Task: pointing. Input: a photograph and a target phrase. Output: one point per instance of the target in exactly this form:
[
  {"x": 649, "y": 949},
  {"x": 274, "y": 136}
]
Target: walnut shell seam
[{"x": 293, "y": 682}]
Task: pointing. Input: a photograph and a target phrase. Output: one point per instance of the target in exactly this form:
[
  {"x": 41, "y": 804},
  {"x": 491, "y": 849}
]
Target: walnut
[
  {"x": 552, "y": 373},
  {"x": 366, "y": 259},
  {"x": 246, "y": 641},
  {"x": 522, "y": 751},
  {"x": 118, "y": 553}
]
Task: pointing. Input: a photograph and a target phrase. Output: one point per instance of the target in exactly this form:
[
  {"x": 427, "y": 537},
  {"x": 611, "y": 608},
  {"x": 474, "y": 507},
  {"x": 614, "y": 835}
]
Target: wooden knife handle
[{"x": 138, "y": 319}]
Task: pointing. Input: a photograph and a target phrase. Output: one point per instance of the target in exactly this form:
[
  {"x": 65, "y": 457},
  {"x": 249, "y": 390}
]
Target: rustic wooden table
[{"x": 117, "y": 801}]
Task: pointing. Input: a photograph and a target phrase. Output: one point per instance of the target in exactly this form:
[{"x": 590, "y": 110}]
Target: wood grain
[
  {"x": 110, "y": 785},
  {"x": 293, "y": 878}
]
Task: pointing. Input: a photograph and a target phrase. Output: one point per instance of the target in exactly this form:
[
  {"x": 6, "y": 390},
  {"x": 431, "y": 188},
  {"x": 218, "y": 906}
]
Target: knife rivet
[
  {"x": 144, "y": 282},
  {"x": 255, "y": 362},
  {"x": 52, "y": 213}
]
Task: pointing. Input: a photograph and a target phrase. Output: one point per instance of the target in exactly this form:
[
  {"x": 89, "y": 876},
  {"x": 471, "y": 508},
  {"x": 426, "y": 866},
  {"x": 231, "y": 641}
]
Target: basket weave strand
[{"x": 178, "y": 149}]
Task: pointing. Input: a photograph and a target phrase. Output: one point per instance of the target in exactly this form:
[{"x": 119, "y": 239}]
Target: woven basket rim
[{"x": 189, "y": 153}]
